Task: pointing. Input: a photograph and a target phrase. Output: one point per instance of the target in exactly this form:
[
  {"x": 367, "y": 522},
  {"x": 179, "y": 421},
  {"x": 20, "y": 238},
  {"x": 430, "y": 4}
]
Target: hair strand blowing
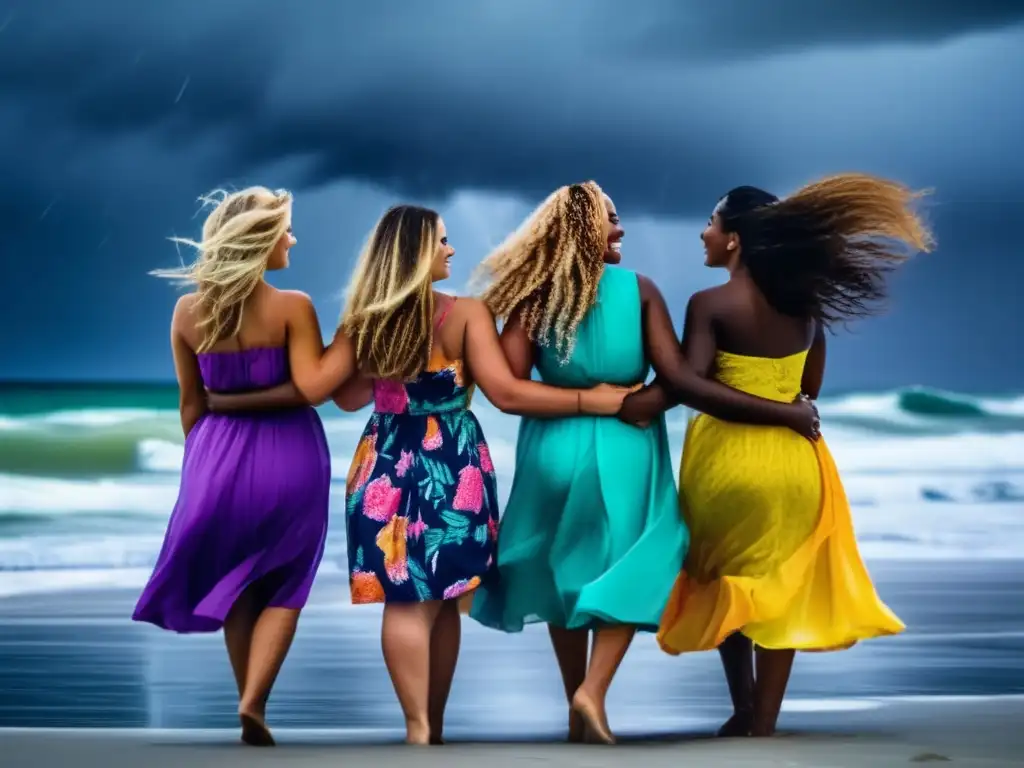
[
  {"x": 825, "y": 250},
  {"x": 547, "y": 271}
]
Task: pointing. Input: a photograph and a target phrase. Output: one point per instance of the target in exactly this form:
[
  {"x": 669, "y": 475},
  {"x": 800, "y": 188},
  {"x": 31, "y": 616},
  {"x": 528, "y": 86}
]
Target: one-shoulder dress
[
  {"x": 773, "y": 553},
  {"x": 252, "y": 504},
  {"x": 421, "y": 502},
  {"x": 591, "y": 534}
]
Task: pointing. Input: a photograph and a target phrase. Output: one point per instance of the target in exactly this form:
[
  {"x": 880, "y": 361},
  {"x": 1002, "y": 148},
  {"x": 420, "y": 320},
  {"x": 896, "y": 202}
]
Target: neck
[{"x": 736, "y": 267}]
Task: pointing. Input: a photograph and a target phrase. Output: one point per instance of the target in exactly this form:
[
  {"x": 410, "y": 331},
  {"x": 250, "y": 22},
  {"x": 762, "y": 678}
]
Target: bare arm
[
  {"x": 518, "y": 348},
  {"x": 354, "y": 394},
  {"x": 490, "y": 369},
  {"x": 191, "y": 396},
  {"x": 814, "y": 367},
  {"x": 316, "y": 373},
  {"x": 685, "y": 382},
  {"x": 284, "y": 395}
]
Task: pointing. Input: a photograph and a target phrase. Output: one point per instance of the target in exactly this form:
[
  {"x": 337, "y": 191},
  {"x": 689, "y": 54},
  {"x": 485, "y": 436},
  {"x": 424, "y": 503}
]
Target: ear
[{"x": 733, "y": 243}]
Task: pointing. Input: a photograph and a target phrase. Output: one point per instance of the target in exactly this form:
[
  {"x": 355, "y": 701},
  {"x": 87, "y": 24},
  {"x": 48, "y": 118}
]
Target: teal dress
[{"x": 592, "y": 533}]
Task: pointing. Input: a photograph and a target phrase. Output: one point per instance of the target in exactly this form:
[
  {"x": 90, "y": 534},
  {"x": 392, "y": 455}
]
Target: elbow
[
  {"x": 504, "y": 399},
  {"x": 679, "y": 384},
  {"x": 313, "y": 392},
  {"x": 348, "y": 405},
  {"x": 191, "y": 411},
  {"x": 192, "y": 404},
  {"x": 315, "y": 397}
]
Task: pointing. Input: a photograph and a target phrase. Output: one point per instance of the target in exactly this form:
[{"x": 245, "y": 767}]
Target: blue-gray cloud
[
  {"x": 429, "y": 98},
  {"x": 115, "y": 115}
]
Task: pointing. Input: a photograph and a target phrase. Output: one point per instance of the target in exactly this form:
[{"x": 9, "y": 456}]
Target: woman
[
  {"x": 421, "y": 499},
  {"x": 247, "y": 532},
  {"x": 591, "y": 538},
  {"x": 774, "y": 561}
]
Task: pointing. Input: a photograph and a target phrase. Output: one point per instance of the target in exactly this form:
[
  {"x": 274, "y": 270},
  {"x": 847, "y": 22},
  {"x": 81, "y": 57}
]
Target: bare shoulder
[
  {"x": 291, "y": 304},
  {"x": 291, "y": 298},
  {"x": 472, "y": 308},
  {"x": 184, "y": 311},
  {"x": 647, "y": 286},
  {"x": 712, "y": 300},
  {"x": 186, "y": 302}
]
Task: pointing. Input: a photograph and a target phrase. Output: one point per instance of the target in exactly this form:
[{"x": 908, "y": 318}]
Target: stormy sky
[{"x": 116, "y": 114}]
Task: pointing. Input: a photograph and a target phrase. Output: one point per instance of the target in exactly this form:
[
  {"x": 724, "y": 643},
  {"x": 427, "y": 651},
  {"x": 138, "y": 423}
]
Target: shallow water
[{"x": 75, "y": 660}]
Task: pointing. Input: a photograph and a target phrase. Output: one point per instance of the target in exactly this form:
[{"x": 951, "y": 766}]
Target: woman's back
[
  {"x": 591, "y": 530},
  {"x": 609, "y": 341},
  {"x": 443, "y": 387},
  {"x": 421, "y": 494},
  {"x": 746, "y": 324},
  {"x": 254, "y": 492},
  {"x": 767, "y": 511}
]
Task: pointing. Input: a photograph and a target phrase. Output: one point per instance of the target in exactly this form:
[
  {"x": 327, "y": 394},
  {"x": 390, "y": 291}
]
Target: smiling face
[
  {"x": 279, "y": 256},
  {"x": 441, "y": 269},
  {"x": 721, "y": 248},
  {"x": 613, "y": 233}
]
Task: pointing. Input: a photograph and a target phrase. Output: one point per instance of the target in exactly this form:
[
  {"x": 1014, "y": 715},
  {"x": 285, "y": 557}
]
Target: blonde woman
[
  {"x": 246, "y": 535},
  {"x": 591, "y": 539},
  {"x": 422, "y": 509}
]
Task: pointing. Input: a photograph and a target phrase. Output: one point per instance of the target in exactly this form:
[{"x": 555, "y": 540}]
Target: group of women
[{"x": 754, "y": 551}]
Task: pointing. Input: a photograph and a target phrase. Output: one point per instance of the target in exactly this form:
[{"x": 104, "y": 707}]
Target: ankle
[
  {"x": 592, "y": 692},
  {"x": 417, "y": 731},
  {"x": 254, "y": 708}
]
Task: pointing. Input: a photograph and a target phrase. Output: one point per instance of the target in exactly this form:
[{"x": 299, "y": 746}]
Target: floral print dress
[{"x": 421, "y": 500}]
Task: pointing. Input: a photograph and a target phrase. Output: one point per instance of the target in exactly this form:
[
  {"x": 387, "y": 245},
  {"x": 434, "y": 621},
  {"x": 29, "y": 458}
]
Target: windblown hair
[
  {"x": 825, "y": 251},
  {"x": 547, "y": 271},
  {"x": 239, "y": 236},
  {"x": 389, "y": 313}
]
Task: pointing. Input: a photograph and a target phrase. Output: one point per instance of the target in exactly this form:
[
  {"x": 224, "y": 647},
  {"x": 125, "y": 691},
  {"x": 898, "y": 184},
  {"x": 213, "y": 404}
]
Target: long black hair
[{"x": 824, "y": 251}]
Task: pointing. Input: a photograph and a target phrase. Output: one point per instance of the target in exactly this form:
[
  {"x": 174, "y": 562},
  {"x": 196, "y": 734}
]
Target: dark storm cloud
[
  {"x": 428, "y": 98},
  {"x": 114, "y": 115}
]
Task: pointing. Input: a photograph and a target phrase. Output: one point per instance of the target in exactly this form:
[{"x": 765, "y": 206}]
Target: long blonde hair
[
  {"x": 389, "y": 313},
  {"x": 239, "y": 236},
  {"x": 547, "y": 271}
]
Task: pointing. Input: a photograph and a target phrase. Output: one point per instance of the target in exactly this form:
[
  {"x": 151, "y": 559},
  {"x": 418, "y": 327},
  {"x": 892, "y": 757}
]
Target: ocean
[
  {"x": 88, "y": 477},
  {"x": 89, "y": 473}
]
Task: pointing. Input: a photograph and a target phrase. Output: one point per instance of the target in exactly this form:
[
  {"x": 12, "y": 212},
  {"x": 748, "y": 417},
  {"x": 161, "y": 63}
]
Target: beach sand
[
  {"x": 961, "y": 733},
  {"x": 84, "y": 686}
]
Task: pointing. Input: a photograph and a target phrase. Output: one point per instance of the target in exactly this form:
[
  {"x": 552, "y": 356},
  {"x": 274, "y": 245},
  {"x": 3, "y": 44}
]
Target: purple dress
[{"x": 252, "y": 505}]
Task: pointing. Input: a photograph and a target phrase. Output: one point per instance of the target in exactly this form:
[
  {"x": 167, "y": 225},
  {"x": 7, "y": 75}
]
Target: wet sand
[
  {"x": 964, "y": 733},
  {"x": 952, "y": 685}
]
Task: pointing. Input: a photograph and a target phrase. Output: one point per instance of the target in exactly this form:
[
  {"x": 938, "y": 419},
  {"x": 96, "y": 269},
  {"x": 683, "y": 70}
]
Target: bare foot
[
  {"x": 417, "y": 734},
  {"x": 740, "y": 724},
  {"x": 762, "y": 730},
  {"x": 594, "y": 716},
  {"x": 577, "y": 727},
  {"x": 254, "y": 730}
]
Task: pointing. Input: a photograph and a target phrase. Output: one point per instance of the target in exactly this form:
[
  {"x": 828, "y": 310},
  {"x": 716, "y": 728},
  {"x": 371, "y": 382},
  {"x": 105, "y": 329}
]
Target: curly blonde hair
[
  {"x": 389, "y": 313},
  {"x": 239, "y": 236},
  {"x": 546, "y": 272}
]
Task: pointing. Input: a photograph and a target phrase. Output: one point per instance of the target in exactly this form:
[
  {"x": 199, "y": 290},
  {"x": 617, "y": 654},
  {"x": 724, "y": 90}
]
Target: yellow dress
[{"x": 772, "y": 550}]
